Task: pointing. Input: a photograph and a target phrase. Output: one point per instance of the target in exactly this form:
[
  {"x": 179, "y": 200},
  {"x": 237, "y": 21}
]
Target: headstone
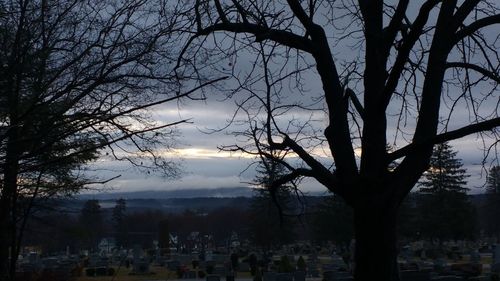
[
  {"x": 172, "y": 265},
  {"x": 33, "y": 258},
  {"x": 299, "y": 276},
  {"x": 191, "y": 274},
  {"x": 495, "y": 268},
  {"x": 480, "y": 278},
  {"x": 448, "y": 278},
  {"x": 284, "y": 277},
  {"x": 269, "y": 276},
  {"x": 213, "y": 277},
  {"x": 244, "y": 267},
  {"x": 414, "y": 275},
  {"x": 328, "y": 275},
  {"x": 220, "y": 270},
  {"x": 341, "y": 275},
  {"x": 475, "y": 257},
  {"x": 136, "y": 254},
  {"x": 141, "y": 267},
  {"x": 496, "y": 254},
  {"x": 313, "y": 273},
  {"x": 440, "y": 264}
]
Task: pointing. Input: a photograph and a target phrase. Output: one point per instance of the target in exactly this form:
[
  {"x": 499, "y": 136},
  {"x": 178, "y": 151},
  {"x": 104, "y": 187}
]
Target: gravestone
[
  {"x": 495, "y": 265},
  {"x": 299, "y": 276},
  {"x": 213, "y": 277},
  {"x": 284, "y": 277},
  {"x": 313, "y": 273},
  {"x": 191, "y": 274},
  {"x": 414, "y": 275},
  {"x": 337, "y": 275},
  {"x": 244, "y": 267},
  {"x": 220, "y": 270},
  {"x": 141, "y": 266},
  {"x": 328, "y": 275},
  {"x": 495, "y": 268},
  {"x": 496, "y": 254},
  {"x": 480, "y": 278},
  {"x": 172, "y": 265},
  {"x": 269, "y": 276},
  {"x": 448, "y": 278},
  {"x": 475, "y": 257}
]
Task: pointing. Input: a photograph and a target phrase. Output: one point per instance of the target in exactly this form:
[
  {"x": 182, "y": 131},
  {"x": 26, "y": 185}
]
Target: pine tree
[
  {"x": 445, "y": 211},
  {"x": 91, "y": 221},
  {"x": 272, "y": 217},
  {"x": 493, "y": 180},
  {"x": 492, "y": 208},
  {"x": 445, "y": 173},
  {"x": 119, "y": 224}
]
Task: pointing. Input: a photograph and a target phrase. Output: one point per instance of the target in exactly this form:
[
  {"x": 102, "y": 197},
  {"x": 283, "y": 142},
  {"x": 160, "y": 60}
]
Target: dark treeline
[{"x": 328, "y": 220}]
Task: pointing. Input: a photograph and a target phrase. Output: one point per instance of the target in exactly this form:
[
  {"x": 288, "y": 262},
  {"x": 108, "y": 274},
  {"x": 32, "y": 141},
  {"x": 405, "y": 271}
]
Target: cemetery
[{"x": 418, "y": 261}]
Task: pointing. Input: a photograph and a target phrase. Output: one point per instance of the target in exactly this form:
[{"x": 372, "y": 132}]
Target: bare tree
[
  {"x": 77, "y": 81},
  {"x": 396, "y": 77}
]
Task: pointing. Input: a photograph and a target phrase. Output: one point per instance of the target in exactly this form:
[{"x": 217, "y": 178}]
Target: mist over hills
[{"x": 178, "y": 193}]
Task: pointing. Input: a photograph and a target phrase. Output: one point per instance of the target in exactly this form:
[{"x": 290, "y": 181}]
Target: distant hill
[{"x": 179, "y": 193}]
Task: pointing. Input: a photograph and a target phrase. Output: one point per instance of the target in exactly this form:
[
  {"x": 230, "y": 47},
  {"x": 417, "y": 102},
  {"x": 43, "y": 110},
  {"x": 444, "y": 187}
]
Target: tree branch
[
  {"x": 261, "y": 33},
  {"x": 448, "y": 136},
  {"x": 475, "y": 26},
  {"x": 404, "y": 51},
  {"x": 483, "y": 71}
]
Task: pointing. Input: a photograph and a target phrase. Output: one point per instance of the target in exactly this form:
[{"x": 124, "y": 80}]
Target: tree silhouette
[
  {"x": 445, "y": 211},
  {"x": 76, "y": 81},
  {"x": 390, "y": 72},
  {"x": 118, "y": 218},
  {"x": 492, "y": 210},
  {"x": 92, "y": 223}
]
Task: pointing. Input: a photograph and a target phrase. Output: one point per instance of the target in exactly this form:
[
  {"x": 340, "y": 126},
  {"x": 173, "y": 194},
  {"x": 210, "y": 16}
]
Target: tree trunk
[{"x": 376, "y": 241}]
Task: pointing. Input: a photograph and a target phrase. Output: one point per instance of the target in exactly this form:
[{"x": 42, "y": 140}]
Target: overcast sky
[{"x": 204, "y": 166}]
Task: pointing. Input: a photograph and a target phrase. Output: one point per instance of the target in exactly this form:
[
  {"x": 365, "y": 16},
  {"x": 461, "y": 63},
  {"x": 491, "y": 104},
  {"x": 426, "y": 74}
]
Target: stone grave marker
[
  {"x": 269, "y": 276},
  {"x": 141, "y": 266},
  {"x": 220, "y": 270},
  {"x": 475, "y": 257},
  {"x": 496, "y": 254},
  {"x": 172, "y": 265},
  {"x": 244, "y": 267},
  {"x": 448, "y": 278},
  {"x": 299, "y": 276},
  {"x": 190, "y": 274},
  {"x": 284, "y": 277},
  {"x": 414, "y": 275},
  {"x": 495, "y": 265},
  {"x": 213, "y": 277},
  {"x": 328, "y": 275}
]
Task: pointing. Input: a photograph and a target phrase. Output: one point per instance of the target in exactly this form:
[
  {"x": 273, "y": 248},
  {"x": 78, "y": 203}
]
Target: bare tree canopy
[
  {"x": 397, "y": 78},
  {"x": 77, "y": 79}
]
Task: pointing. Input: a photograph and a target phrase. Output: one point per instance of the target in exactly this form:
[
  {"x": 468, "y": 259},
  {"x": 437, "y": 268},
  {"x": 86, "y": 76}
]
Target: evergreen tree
[
  {"x": 91, "y": 221},
  {"x": 493, "y": 180},
  {"x": 492, "y": 208},
  {"x": 333, "y": 221},
  {"x": 273, "y": 210},
  {"x": 445, "y": 173},
  {"x": 119, "y": 224},
  {"x": 445, "y": 211}
]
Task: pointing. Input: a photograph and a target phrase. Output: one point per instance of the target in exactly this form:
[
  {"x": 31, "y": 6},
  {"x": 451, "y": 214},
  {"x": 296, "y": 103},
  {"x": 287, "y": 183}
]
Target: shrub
[
  {"x": 301, "y": 264},
  {"x": 285, "y": 265}
]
